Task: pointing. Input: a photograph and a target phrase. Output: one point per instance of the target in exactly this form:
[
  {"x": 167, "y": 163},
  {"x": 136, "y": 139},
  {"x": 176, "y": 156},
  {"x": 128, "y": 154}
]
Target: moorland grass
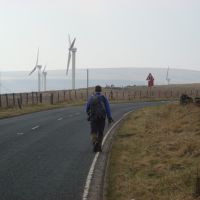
[
  {"x": 16, "y": 111},
  {"x": 155, "y": 154}
]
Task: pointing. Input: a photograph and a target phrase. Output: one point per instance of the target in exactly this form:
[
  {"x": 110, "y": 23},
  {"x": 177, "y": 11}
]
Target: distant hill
[{"x": 19, "y": 81}]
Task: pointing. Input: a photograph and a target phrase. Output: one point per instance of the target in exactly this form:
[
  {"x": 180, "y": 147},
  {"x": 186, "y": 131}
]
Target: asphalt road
[{"x": 47, "y": 155}]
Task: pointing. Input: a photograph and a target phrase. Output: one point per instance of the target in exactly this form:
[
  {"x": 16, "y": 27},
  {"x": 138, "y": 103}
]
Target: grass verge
[
  {"x": 15, "y": 111},
  {"x": 155, "y": 155}
]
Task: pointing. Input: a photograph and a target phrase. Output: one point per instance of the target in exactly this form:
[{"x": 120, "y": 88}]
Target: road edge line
[{"x": 91, "y": 171}]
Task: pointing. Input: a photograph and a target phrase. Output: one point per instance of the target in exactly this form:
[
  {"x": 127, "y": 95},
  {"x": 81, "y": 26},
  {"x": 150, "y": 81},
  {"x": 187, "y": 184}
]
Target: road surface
[{"x": 47, "y": 155}]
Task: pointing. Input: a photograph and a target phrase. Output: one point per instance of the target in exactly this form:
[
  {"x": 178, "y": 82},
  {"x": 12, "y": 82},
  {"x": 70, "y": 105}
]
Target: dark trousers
[{"x": 97, "y": 129}]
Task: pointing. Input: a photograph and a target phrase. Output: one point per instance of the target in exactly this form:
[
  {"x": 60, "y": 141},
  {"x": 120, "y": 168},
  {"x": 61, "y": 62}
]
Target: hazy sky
[{"x": 110, "y": 33}]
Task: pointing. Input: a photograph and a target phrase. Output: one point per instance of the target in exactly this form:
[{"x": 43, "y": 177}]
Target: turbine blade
[
  {"x": 68, "y": 62},
  {"x": 69, "y": 40},
  {"x": 37, "y": 57},
  {"x": 32, "y": 70},
  {"x": 72, "y": 45}
]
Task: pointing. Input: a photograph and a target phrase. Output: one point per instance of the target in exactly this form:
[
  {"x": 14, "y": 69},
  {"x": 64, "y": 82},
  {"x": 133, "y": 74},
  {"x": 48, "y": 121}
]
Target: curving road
[{"x": 47, "y": 155}]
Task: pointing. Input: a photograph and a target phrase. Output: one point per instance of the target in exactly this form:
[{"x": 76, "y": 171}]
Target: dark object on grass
[
  {"x": 197, "y": 101},
  {"x": 185, "y": 99}
]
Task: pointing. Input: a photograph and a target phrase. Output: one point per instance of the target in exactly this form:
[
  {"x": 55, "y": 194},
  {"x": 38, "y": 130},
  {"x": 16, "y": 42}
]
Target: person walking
[{"x": 98, "y": 108}]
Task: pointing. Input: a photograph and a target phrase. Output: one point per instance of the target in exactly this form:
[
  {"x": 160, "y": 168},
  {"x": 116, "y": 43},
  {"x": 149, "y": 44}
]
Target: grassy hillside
[{"x": 155, "y": 155}]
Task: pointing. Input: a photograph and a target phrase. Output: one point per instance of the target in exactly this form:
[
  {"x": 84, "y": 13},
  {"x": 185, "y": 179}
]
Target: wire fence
[{"x": 113, "y": 94}]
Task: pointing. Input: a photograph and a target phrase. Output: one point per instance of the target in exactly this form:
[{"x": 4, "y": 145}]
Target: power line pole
[{"x": 87, "y": 82}]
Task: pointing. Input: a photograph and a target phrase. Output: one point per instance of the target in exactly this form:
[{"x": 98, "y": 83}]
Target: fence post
[
  {"x": 64, "y": 95},
  {"x": 75, "y": 94},
  {"x": 7, "y": 100},
  {"x": 32, "y": 98},
  {"x": 13, "y": 99},
  {"x": 140, "y": 94},
  {"x": 21, "y": 98},
  {"x": 37, "y": 97},
  {"x": 51, "y": 98},
  {"x": 129, "y": 96},
  {"x": 19, "y": 103},
  {"x": 40, "y": 97},
  {"x": 58, "y": 97},
  {"x": 27, "y": 98},
  {"x": 111, "y": 95},
  {"x": 134, "y": 94}
]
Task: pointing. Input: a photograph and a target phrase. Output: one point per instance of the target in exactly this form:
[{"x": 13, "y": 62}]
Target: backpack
[{"x": 97, "y": 107}]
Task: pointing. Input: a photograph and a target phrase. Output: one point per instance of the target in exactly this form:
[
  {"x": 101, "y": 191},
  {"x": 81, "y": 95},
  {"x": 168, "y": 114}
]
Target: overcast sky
[{"x": 110, "y": 33}]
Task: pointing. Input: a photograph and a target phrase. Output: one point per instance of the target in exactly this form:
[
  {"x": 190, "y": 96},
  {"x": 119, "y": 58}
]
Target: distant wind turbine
[
  {"x": 44, "y": 73},
  {"x": 167, "y": 76},
  {"x": 72, "y": 50},
  {"x": 39, "y": 71}
]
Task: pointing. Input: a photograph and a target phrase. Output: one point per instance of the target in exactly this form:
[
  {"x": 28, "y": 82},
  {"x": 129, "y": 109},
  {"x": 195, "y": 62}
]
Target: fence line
[{"x": 54, "y": 97}]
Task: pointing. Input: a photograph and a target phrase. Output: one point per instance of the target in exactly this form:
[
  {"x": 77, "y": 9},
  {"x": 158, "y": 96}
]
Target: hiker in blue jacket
[{"x": 97, "y": 109}]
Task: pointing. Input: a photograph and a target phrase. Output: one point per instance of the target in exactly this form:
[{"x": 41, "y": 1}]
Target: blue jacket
[{"x": 107, "y": 105}]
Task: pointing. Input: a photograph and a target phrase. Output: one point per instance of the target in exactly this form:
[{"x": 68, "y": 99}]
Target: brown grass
[
  {"x": 15, "y": 111},
  {"x": 155, "y": 154}
]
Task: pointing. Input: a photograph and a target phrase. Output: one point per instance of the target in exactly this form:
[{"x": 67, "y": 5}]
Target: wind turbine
[
  {"x": 72, "y": 50},
  {"x": 44, "y": 73},
  {"x": 167, "y": 76},
  {"x": 39, "y": 71}
]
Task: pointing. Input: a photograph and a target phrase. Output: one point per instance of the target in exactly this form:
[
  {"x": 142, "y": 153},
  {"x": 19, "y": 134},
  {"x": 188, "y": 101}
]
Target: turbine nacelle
[{"x": 39, "y": 67}]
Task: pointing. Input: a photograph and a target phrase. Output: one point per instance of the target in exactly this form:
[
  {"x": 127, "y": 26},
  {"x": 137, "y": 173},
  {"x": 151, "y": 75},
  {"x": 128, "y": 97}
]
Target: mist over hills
[{"x": 19, "y": 81}]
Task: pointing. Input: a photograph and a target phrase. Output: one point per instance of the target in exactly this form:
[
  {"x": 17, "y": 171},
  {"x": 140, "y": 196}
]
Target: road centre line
[
  {"x": 59, "y": 118},
  {"x": 20, "y": 133},
  {"x": 35, "y": 127},
  {"x": 91, "y": 171}
]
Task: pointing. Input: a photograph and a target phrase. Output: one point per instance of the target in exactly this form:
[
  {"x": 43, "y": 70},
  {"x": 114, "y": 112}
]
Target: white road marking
[
  {"x": 91, "y": 171},
  {"x": 59, "y": 118},
  {"x": 20, "y": 133},
  {"x": 35, "y": 127}
]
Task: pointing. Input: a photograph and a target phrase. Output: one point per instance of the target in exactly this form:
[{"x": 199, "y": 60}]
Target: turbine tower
[
  {"x": 39, "y": 71},
  {"x": 167, "y": 76},
  {"x": 44, "y": 73},
  {"x": 72, "y": 50}
]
